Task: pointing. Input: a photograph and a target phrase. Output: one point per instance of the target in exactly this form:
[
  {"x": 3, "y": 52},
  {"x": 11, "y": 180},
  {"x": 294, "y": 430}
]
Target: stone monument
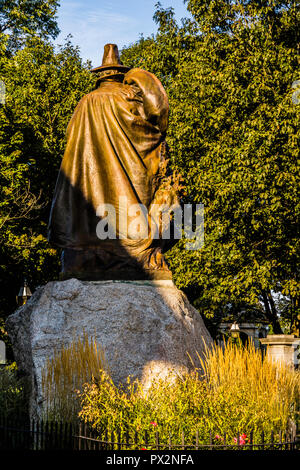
[
  {"x": 115, "y": 284},
  {"x": 283, "y": 349}
]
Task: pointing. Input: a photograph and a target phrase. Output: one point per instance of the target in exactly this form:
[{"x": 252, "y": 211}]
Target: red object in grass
[{"x": 242, "y": 439}]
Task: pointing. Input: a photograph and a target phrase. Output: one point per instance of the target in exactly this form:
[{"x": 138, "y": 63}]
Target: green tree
[
  {"x": 43, "y": 87},
  {"x": 22, "y": 18},
  {"x": 234, "y": 137}
]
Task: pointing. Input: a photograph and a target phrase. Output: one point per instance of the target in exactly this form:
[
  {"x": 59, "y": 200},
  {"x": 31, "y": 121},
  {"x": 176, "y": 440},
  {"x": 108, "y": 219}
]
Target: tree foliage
[
  {"x": 43, "y": 87},
  {"x": 234, "y": 137},
  {"x": 22, "y": 18}
]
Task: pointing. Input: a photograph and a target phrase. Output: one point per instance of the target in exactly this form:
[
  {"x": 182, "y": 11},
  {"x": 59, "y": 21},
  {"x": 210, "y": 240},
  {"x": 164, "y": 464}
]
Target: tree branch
[
  {"x": 5, "y": 26},
  {"x": 271, "y": 314}
]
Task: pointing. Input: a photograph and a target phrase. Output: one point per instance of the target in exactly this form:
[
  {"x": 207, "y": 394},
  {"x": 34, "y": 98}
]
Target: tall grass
[
  {"x": 251, "y": 389},
  {"x": 64, "y": 375},
  {"x": 234, "y": 390}
]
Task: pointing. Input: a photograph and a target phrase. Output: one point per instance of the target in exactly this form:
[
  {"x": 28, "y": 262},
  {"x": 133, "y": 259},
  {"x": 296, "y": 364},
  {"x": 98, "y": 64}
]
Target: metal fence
[{"x": 44, "y": 435}]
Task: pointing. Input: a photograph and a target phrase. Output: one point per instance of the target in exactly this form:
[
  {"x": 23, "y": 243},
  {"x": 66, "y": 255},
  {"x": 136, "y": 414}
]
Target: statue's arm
[{"x": 155, "y": 100}]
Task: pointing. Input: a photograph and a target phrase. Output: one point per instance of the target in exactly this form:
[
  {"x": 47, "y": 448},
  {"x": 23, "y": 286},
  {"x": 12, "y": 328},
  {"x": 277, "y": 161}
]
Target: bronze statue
[{"x": 115, "y": 156}]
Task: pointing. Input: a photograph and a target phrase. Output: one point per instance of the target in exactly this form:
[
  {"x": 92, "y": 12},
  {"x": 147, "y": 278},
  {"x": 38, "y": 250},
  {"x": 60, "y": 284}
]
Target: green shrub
[
  {"x": 13, "y": 393},
  {"x": 234, "y": 391}
]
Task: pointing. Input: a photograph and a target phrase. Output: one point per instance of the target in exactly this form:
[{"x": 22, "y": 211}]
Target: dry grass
[
  {"x": 235, "y": 390},
  {"x": 64, "y": 375},
  {"x": 269, "y": 389}
]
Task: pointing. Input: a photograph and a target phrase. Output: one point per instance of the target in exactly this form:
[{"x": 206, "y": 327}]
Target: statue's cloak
[{"x": 115, "y": 143}]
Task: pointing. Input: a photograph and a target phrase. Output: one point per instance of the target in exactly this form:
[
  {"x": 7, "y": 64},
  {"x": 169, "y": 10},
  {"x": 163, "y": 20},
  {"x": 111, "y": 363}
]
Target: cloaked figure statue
[{"x": 113, "y": 177}]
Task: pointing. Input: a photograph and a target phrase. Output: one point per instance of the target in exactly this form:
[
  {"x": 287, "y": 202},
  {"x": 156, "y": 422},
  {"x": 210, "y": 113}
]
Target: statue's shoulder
[
  {"x": 149, "y": 86},
  {"x": 90, "y": 95},
  {"x": 87, "y": 99},
  {"x": 84, "y": 99},
  {"x": 145, "y": 80},
  {"x": 109, "y": 88}
]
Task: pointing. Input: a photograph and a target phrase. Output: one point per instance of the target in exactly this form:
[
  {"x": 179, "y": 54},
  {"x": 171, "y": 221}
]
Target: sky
[{"x": 94, "y": 23}]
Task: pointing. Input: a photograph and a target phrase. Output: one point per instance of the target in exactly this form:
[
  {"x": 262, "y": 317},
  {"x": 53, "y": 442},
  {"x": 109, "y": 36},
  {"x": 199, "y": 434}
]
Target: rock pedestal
[{"x": 146, "y": 328}]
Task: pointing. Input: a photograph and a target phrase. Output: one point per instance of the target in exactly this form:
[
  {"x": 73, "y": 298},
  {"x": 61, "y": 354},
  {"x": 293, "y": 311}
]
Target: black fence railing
[{"x": 44, "y": 435}]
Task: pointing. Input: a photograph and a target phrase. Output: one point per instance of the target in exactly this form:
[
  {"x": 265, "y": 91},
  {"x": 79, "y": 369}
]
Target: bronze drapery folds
[{"x": 114, "y": 156}]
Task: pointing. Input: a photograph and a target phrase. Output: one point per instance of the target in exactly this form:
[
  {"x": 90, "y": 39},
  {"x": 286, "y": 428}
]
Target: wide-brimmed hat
[{"x": 110, "y": 62}]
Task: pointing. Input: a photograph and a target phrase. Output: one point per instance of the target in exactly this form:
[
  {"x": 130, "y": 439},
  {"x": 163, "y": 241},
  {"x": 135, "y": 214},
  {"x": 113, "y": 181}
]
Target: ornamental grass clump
[
  {"x": 233, "y": 390},
  {"x": 64, "y": 375},
  {"x": 249, "y": 391}
]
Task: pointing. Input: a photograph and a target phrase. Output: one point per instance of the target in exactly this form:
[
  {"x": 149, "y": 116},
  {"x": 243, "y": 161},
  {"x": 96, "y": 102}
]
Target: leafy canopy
[
  {"x": 23, "y": 17},
  {"x": 43, "y": 87},
  {"x": 234, "y": 137}
]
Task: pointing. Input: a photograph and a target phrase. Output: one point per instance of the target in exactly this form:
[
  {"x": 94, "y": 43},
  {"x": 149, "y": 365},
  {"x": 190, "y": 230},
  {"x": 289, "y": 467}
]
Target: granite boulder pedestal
[{"x": 146, "y": 328}]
